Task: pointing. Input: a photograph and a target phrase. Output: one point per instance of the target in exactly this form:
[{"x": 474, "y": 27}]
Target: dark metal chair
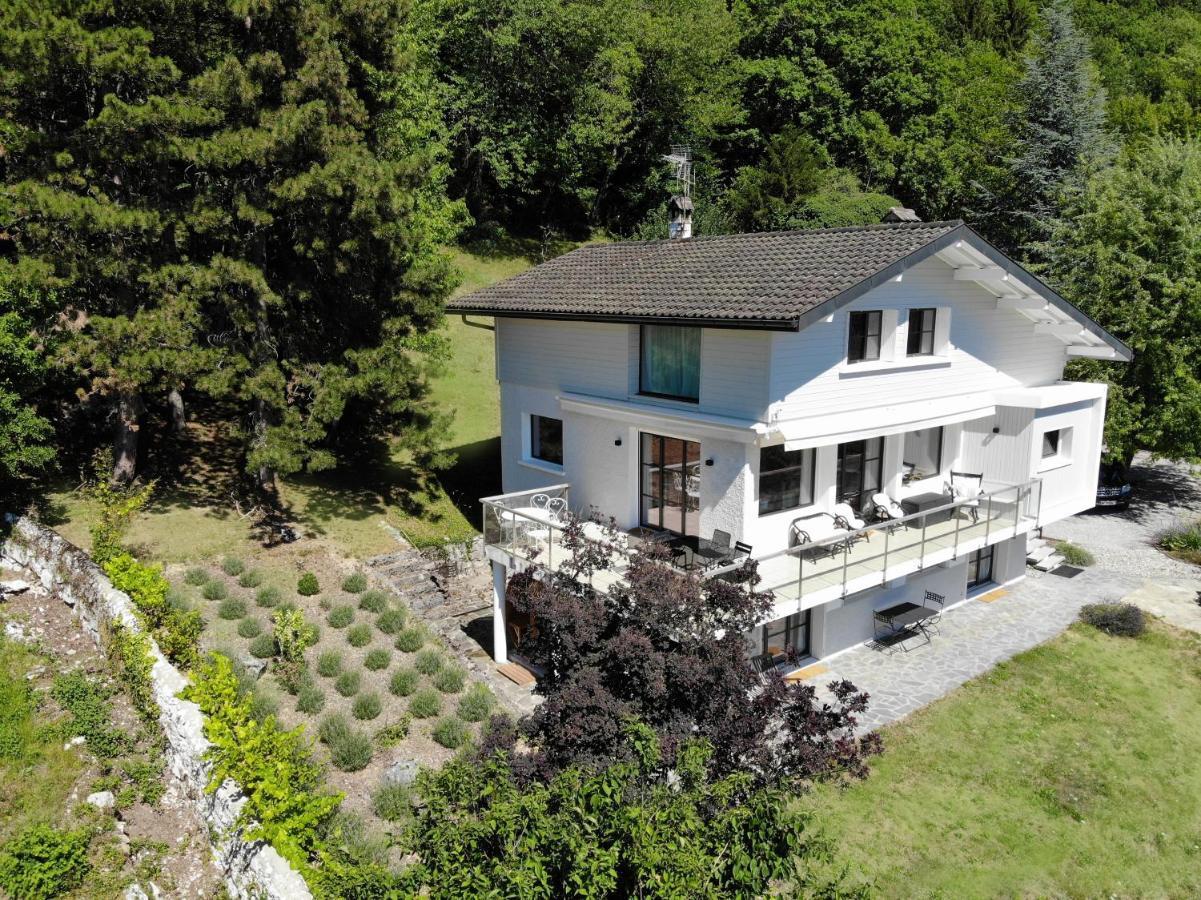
[{"x": 932, "y": 600}]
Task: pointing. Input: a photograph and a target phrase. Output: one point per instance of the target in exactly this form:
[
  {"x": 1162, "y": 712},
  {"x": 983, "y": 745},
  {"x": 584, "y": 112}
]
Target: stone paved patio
[{"x": 974, "y": 637}]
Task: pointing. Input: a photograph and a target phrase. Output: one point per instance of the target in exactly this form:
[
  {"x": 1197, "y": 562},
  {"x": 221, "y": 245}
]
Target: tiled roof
[{"x": 744, "y": 278}]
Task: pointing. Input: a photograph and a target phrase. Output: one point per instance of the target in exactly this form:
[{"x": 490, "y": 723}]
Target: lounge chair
[
  {"x": 966, "y": 489},
  {"x": 888, "y": 510},
  {"x": 845, "y": 517},
  {"x": 816, "y": 528}
]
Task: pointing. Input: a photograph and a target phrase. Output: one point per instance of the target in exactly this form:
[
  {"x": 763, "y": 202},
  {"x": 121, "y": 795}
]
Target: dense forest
[{"x": 249, "y": 203}]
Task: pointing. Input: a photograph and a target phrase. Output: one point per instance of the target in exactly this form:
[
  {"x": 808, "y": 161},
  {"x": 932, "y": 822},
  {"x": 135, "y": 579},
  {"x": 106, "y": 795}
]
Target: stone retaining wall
[{"x": 251, "y": 868}]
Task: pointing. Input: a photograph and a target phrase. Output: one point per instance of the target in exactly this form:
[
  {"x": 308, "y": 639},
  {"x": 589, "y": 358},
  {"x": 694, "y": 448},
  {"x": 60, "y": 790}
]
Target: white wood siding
[{"x": 988, "y": 349}]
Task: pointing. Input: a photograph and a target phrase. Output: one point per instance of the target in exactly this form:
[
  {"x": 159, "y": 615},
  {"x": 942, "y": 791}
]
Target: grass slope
[{"x": 1069, "y": 771}]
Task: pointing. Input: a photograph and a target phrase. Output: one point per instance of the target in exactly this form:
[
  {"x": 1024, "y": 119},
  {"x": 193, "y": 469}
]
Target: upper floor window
[
  {"x": 671, "y": 362},
  {"x": 922, "y": 457},
  {"x": 864, "y": 342},
  {"x": 785, "y": 479},
  {"x": 546, "y": 439},
  {"x": 921, "y": 332}
]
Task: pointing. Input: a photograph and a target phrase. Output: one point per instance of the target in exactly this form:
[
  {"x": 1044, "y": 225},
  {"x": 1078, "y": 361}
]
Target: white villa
[{"x": 876, "y": 414}]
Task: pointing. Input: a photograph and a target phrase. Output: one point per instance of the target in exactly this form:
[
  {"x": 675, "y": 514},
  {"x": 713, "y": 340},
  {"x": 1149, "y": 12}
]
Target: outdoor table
[
  {"x": 906, "y": 616},
  {"x": 921, "y": 502},
  {"x": 692, "y": 552}
]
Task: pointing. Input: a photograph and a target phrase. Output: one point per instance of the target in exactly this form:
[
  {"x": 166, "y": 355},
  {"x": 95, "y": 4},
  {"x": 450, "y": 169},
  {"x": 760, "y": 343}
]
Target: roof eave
[{"x": 748, "y": 324}]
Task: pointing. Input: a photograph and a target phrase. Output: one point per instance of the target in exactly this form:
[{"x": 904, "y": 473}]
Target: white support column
[{"x": 500, "y": 645}]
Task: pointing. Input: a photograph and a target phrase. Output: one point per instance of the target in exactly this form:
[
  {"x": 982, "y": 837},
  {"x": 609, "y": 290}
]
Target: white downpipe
[{"x": 500, "y": 644}]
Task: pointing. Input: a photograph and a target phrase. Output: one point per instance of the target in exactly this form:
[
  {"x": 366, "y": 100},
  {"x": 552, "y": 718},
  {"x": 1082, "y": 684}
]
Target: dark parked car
[{"x": 1113, "y": 487}]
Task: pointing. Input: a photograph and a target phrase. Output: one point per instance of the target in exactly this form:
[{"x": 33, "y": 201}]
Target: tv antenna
[{"x": 681, "y": 163}]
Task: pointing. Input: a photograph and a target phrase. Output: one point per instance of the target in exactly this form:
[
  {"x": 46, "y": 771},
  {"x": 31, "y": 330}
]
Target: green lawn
[{"x": 1074, "y": 770}]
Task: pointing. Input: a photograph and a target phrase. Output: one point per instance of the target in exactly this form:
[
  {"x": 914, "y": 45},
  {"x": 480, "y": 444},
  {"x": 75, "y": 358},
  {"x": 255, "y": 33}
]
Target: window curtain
[{"x": 671, "y": 361}]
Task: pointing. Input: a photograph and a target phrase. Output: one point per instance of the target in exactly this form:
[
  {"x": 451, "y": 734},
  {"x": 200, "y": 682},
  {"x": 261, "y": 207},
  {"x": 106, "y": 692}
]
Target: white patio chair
[
  {"x": 845, "y": 517},
  {"x": 540, "y": 501},
  {"x": 966, "y": 489},
  {"x": 816, "y": 528},
  {"x": 557, "y": 506},
  {"x": 888, "y": 510}
]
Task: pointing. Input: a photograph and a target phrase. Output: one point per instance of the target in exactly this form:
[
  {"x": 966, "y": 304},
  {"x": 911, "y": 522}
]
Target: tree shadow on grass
[{"x": 475, "y": 474}]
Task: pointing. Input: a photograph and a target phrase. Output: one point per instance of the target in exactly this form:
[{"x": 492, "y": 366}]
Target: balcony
[{"x": 519, "y": 534}]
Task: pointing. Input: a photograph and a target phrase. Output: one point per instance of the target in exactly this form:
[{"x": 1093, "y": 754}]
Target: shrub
[
  {"x": 450, "y": 732},
  {"x": 262, "y": 706},
  {"x": 250, "y": 578},
  {"x": 44, "y": 862},
  {"x": 349, "y": 750},
  {"x": 393, "y": 803},
  {"x": 390, "y": 621},
  {"x": 1074, "y": 554},
  {"x": 410, "y": 640},
  {"x": 214, "y": 590},
  {"x": 355, "y": 584},
  {"x": 329, "y": 663},
  {"x": 1184, "y": 542},
  {"x": 475, "y": 705},
  {"x": 231, "y": 565},
  {"x": 176, "y": 628},
  {"x": 359, "y": 635},
  {"x": 325, "y": 604},
  {"x": 292, "y": 633},
  {"x": 311, "y": 699},
  {"x": 393, "y": 734},
  {"x": 377, "y": 659},
  {"x": 285, "y": 794},
  {"x": 426, "y": 703},
  {"x": 232, "y": 608},
  {"x": 87, "y": 704},
  {"x": 340, "y": 617},
  {"x": 250, "y": 628},
  {"x": 132, "y": 648},
  {"x": 293, "y": 675},
  {"x": 267, "y": 597},
  {"x": 117, "y": 505},
  {"x": 366, "y": 706},
  {"x": 196, "y": 577},
  {"x": 263, "y": 646},
  {"x": 450, "y": 680},
  {"x": 404, "y": 682},
  {"x": 348, "y": 683},
  {"x": 1121, "y": 619},
  {"x": 307, "y": 586},
  {"x": 373, "y": 601},
  {"x": 428, "y": 661}
]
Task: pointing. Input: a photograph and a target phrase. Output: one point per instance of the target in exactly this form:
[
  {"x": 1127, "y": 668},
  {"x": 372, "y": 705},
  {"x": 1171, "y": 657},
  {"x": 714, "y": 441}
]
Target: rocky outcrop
[{"x": 251, "y": 868}]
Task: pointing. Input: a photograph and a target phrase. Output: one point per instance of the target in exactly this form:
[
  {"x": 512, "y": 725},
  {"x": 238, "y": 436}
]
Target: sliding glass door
[
  {"x": 669, "y": 482},
  {"x": 860, "y": 465}
]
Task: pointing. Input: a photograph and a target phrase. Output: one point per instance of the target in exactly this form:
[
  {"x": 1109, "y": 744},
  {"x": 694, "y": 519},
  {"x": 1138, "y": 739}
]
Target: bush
[
  {"x": 177, "y": 629},
  {"x": 340, "y": 616},
  {"x": 263, "y": 646},
  {"x": 311, "y": 699},
  {"x": 329, "y": 663},
  {"x": 428, "y": 661},
  {"x": 377, "y": 659},
  {"x": 307, "y": 586},
  {"x": 349, "y": 750},
  {"x": 391, "y": 621},
  {"x": 450, "y": 680},
  {"x": 325, "y": 604},
  {"x": 366, "y": 706},
  {"x": 214, "y": 590},
  {"x": 393, "y": 734},
  {"x": 292, "y": 633},
  {"x": 359, "y": 635},
  {"x": 355, "y": 584},
  {"x": 43, "y": 862},
  {"x": 262, "y": 706},
  {"x": 232, "y": 608},
  {"x": 426, "y": 703},
  {"x": 404, "y": 682},
  {"x": 410, "y": 640},
  {"x": 348, "y": 683},
  {"x": 231, "y": 565},
  {"x": 293, "y": 675},
  {"x": 267, "y": 597},
  {"x": 250, "y": 628},
  {"x": 393, "y": 802},
  {"x": 1121, "y": 619},
  {"x": 1184, "y": 542},
  {"x": 373, "y": 601},
  {"x": 475, "y": 705},
  {"x": 450, "y": 732},
  {"x": 91, "y": 716},
  {"x": 196, "y": 577},
  {"x": 1074, "y": 554},
  {"x": 250, "y": 578}
]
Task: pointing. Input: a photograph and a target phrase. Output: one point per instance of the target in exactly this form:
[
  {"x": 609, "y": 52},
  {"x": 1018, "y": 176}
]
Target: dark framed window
[
  {"x": 670, "y": 484},
  {"x": 788, "y": 633},
  {"x": 979, "y": 567},
  {"x": 921, "y": 332},
  {"x": 923, "y": 452},
  {"x": 864, "y": 343},
  {"x": 1051, "y": 443},
  {"x": 860, "y": 472},
  {"x": 670, "y": 363},
  {"x": 785, "y": 478},
  {"x": 546, "y": 439}
]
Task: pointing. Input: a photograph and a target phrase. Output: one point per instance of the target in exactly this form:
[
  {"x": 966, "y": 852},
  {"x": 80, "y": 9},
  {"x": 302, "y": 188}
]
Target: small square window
[
  {"x": 1051, "y": 443},
  {"x": 921, "y": 332},
  {"x": 546, "y": 439},
  {"x": 863, "y": 344}
]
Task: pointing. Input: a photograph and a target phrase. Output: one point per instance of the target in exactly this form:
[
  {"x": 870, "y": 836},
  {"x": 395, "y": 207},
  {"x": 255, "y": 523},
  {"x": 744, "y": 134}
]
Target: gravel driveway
[{"x": 1165, "y": 494}]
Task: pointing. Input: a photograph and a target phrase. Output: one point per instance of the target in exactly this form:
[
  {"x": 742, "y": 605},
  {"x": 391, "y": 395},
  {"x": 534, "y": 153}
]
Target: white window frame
[
  {"x": 1063, "y": 452},
  {"x": 527, "y": 449}
]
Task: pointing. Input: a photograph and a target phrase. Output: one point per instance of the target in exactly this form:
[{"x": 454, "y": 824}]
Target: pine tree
[{"x": 1061, "y": 135}]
